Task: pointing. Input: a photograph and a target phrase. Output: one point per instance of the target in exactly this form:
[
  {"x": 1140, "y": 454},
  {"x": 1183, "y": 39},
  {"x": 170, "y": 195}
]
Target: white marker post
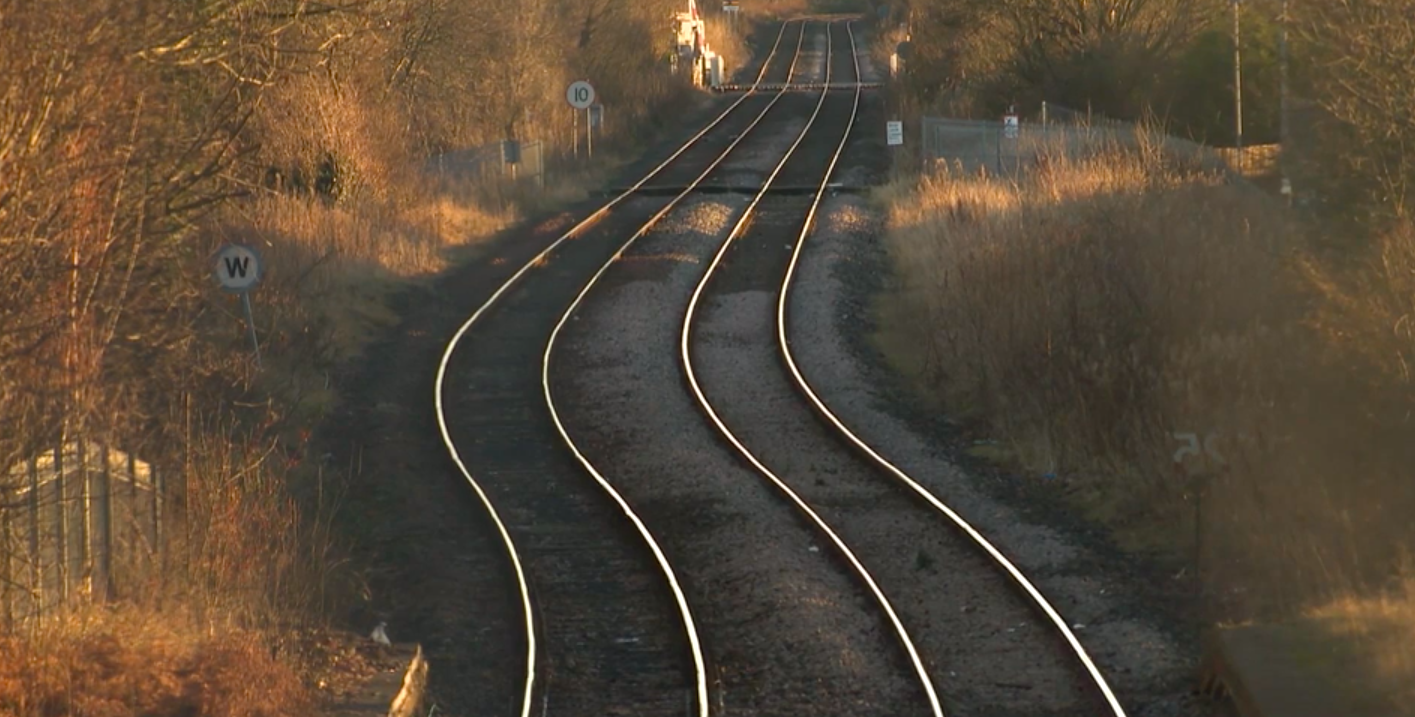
[
  {"x": 238, "y": 270},
  {"x": 581, "y": 96},
  {"x": 1011, "y": 130}
]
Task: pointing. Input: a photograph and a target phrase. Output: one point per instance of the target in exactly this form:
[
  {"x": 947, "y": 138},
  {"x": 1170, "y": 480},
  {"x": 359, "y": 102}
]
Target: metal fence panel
[{"x": 79, "y": 520}]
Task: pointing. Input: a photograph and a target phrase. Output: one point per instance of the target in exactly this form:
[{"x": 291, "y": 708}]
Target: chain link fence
[
  {"x": 1011, "y": 149},
  {"x": 498, "y": 161}
]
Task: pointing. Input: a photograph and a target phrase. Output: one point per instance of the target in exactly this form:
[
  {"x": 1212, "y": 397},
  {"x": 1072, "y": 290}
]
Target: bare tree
[{"x": 1359, "y": 66}]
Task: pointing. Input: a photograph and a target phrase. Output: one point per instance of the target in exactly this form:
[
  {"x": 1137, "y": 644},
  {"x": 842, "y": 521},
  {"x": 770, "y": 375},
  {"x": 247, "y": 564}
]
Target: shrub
[{"x": 1109, "y": 299}]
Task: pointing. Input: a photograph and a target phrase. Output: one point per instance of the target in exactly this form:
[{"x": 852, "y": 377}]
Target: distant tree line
[{"x": 1351, "y": 74}]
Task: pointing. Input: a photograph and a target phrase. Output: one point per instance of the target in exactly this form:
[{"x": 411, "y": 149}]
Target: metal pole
[
  {"x": 61, "y": 523},
  {"x": 36, "y": 570},
  {"x": 1238, "y": 83},
  {"x": 1199, "y": 486},
  {"x": 575, "y": 131},
  {"x": 997, "y": 143},
  {"x": 589, "y": 135},
  {"x": 250, "y": 323},
  {"x": 7, "y": 571},
  {"x": 103, "y": 561},
  {"x": 1285, "y": 138}
]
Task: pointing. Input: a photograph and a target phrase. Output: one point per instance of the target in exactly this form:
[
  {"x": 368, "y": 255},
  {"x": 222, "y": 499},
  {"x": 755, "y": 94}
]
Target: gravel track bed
[
  {"x": 984, "y": 646},
  {"x": 611, "y": 641},
  {"x": 786, "y": 631},
  {"x": 692, "y": 161},
  {"x": 779, "y": 67},
  {"x": 811, "y": 67},
  {"x": 753, "y": 160},
  {"x": 1143, "y": 653}
]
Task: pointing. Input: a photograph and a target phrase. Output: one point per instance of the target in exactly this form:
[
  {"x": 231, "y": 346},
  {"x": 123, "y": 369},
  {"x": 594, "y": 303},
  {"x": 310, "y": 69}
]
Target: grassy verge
[
  {"x": 1077, "y": 319},
  {"x": 1375, "y": 642},
  {"x": 139, "y": 662}
]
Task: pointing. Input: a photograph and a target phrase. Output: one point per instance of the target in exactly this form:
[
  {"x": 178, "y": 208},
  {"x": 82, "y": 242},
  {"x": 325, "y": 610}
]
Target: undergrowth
[
  {"x": 1088, "y": 318},
  {"x": 110, "y": 664}
]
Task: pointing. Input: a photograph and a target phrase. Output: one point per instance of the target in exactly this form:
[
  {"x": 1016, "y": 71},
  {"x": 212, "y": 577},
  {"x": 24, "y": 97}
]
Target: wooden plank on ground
[{"x": 1290, "y": 670}]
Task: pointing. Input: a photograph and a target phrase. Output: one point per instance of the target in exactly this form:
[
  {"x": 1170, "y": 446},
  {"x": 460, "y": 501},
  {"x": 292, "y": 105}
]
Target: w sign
[{"x": 237, "y": 268}]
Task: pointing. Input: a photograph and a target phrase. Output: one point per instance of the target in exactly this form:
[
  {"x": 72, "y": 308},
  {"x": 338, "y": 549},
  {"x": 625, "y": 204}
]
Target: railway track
[
  {"x": 606, "y": 629},
  {"x": 737, "y": 355},
  {"x": 809, "y": 637},
  {"x": 829, "y": 141},
  {"x": 628, "y": 606}
]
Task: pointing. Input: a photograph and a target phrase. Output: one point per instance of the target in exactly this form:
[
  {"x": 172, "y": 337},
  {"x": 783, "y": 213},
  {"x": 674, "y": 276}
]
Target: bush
[
  {"x": 127, "y": 663},
  {"x": 1088, "y": 312}
]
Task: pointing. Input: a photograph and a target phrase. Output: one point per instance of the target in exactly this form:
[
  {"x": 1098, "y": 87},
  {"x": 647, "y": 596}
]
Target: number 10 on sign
[{"x": 581, "y": 95}]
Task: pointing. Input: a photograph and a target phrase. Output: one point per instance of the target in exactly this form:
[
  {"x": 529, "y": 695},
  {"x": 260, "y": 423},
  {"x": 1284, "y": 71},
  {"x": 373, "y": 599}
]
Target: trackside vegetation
[
  {"x": 138, "y": 137},
  {"x": 1116, "y": 304}
]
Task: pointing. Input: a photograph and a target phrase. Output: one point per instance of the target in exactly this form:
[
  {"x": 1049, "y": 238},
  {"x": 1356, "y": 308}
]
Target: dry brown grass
[
  {"x": 405, "y": 243},
  {"x": 1082, "y": 316},
  {"x": 776, "y": 9},
  {"x": 1382, "y": 629},
  {"x": 730, "y": 41},
  {"x": 111, "y": 663},
  {"x": 331, "y": 268}
]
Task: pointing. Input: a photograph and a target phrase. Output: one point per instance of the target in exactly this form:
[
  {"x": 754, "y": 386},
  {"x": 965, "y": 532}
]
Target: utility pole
[
  {"x": 1284, "y": 130},
  {"x": 1238, "y": 84}
]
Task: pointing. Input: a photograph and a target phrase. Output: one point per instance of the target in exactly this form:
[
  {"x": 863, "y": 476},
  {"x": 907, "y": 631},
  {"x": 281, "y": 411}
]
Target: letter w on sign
[{"x": 237, "y": 268}]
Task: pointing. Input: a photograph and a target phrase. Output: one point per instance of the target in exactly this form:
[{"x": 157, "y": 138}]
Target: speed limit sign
[{"x": 580, "y": 95}]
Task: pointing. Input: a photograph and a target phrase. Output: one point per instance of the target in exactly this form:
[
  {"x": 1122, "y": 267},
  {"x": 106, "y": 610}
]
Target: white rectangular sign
[{"x": 895, "y": 133}]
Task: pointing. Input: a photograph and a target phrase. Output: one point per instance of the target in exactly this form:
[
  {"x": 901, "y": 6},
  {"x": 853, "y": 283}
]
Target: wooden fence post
[
  {"x": 103, "y": 572},
  {"x": 36, "y": 553},
  {"x": 158, "y": 543},
  {"x": 85, "y": 508},
  {"x": 133, "y": 513},
  {"x": 61, "y": 519},
  {"x": 7, "y": 554}
]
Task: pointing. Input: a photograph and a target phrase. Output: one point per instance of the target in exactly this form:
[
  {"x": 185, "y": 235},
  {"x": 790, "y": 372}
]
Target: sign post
[
  {"x": 238, "y": 270},
  {"x": 1199, "y": 480},
  {"x": 581, "y": 96},
  {"x": 595, "y": 113}
]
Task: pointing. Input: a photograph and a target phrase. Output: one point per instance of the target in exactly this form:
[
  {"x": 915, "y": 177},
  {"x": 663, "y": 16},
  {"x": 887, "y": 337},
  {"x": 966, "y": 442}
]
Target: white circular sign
[
  {"x": 580, "y": 95},
  {"x": 237, "y": 267}
]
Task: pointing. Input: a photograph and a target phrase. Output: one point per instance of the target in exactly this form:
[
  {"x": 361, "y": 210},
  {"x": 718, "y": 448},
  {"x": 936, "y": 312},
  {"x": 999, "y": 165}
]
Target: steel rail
[
  {"x": 699, "y": 663},
  {"x": 1038, "y": 600},
  {"x": 523, "y": 587},
  {"x": 687, "y": 363}
]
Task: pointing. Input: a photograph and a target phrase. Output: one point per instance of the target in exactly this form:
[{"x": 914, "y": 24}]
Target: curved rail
[
  {"x": 699, "y": 663},
  {"x": 1035, "y": 595},
  {"x": 711, "y": 413},
  {"x": 523, "y": 587}
]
